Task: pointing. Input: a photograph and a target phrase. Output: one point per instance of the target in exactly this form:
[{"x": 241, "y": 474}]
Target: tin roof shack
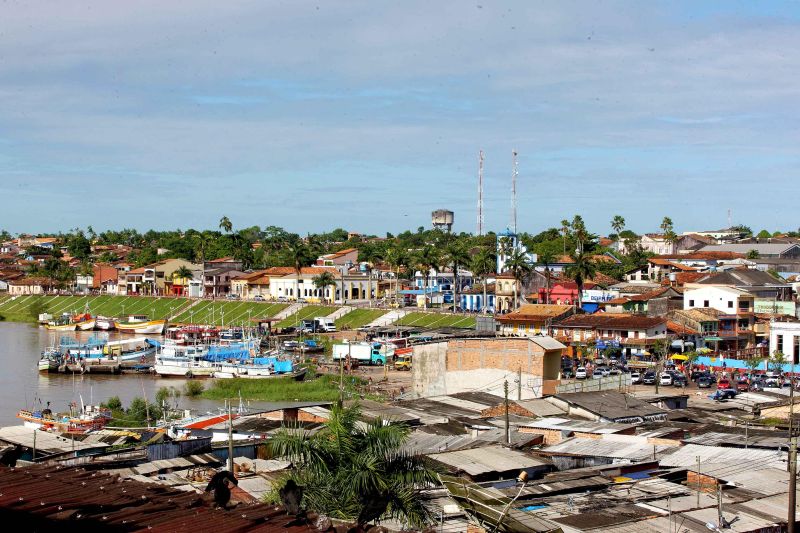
[
  {"x": 664, "y": 400},
  {"x": 556, "y": 429},
  {"x": 608, "y": 406},
  {"x": 609, "y": 449},
  {"x": 48, "y": 445},
  {"x": 54, "y": 498},
  {"x": 459, "y": 365},
  {"x": 492, "y": 463}
]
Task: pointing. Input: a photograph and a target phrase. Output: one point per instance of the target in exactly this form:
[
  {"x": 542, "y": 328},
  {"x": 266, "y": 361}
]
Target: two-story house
[
  {"x": 736, "y": 317},
  {"x": 634, "y": 334}
]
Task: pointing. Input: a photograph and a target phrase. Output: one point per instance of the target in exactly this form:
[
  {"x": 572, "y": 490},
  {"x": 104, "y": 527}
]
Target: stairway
[
  {"x": 339, "y": 313},
  {"x": 289, "y": 311},
  {"x": 389, "y": 318}
]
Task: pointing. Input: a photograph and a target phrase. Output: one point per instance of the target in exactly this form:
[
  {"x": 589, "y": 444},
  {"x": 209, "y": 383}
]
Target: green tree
[
  {"x": 565, "y": 233},
  {"x": 300, "y": 256},
  {"x": 753, "y": 254},
  {"x": 354, "y": 471},
  {"x": 617, "y": 224},
  {"x": 396, "y": 257},
  {"x": 426, "y": 259},
  {"x": 754, "y": 364},
  {"x": 520, "y": 267},
  {"x": 776, "y": 361},
  {"x": 581, "y": 270},
  {"x": 225, "y": 224},
  {"x": 183, "y": 273},
  {"x": 456, "y": 256},
  {"x": 764, "y": 234},
  {"x": 546, "y": 259},
  {"x": 484, "y": 263},
  {"x": 323, "y": 281}
]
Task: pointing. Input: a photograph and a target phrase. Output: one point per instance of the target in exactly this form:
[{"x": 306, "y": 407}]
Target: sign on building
[
  {"x": 765, "y": 305},
  {"x": 596, "y": 296}
]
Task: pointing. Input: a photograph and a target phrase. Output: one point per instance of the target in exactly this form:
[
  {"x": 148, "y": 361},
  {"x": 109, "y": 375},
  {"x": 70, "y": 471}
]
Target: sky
[{"x": 370, "y": 114}]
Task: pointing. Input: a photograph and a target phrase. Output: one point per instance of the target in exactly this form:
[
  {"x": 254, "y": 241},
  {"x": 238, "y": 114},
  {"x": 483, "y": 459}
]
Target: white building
[
  {"x": 784, "y": 337},
  {"x": 727, "y": 300},
  {"x": 348, "y": 287}
]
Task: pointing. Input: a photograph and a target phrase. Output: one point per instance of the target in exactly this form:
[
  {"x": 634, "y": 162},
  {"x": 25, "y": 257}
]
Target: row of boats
[
  {"x": 136, "y": 324},
  {"x": 230, "y": 354}
]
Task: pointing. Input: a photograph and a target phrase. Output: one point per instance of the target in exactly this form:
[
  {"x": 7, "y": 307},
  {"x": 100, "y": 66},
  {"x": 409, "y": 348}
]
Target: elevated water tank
[{"x": 442, "y": 219}]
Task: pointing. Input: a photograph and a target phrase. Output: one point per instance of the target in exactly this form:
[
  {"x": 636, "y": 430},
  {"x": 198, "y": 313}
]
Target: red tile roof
[
  {"x": 703, "y": 256},
  {"x": 610, "y": 321},
  {"x": 680, "y": 329}
]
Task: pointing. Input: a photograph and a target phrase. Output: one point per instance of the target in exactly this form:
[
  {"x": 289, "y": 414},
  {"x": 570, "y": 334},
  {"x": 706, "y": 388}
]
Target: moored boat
[
  {"x": 89, "y": 418},
  {"x": 50, "y": 360},
  {"x": 62, "y": 323},
  {"x": 104, "y": 323},
  {"x": 141, "y": 325}
]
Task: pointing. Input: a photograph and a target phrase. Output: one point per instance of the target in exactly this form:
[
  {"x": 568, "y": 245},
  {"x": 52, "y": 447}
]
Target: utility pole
[
  {"x": 519, "y": 384},
  {"x": 480, "y": 193},
  {"x": 514, "y": 173},
  {"x": 33, "y": 451},
  {"x": 792, "y": 483},
  {"x": 720, "y": 520},
  {"x": 508, "y": 431},
  {"x": 230, "y": 438},
  {"x": 698, "y": 482}
]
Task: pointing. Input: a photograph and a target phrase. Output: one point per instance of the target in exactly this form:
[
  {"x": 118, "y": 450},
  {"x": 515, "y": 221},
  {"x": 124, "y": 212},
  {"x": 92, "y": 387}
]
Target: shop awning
[
  {"x": 679, "y": 357},
  {"x": 714, "y": 338}
]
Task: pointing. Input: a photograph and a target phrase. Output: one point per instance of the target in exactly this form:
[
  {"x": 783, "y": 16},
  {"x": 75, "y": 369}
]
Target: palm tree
[
  {"x": 579, "y": 230},
  {"x": 617, "y": 223},
  {"x": 183, "y": 273},
  {"x": 225, "y": 225},
  {"x": 456, "y": 256},
  {"x": 323, "y": 281},
  {"x": 565, "y": 232},
  {"x": 350, "y": 470},
  {"x": 581, "y": 270},
  {"x": 300, "y": 257},
  {"x": 547, "y": 258},
  {"x": 396, "y": 257},
  {"x": 666, "y": 225},
  {"x": 426, "y": 259},
  {"x": 520, "y": 266},
  {"x": 484, "y": 263}
]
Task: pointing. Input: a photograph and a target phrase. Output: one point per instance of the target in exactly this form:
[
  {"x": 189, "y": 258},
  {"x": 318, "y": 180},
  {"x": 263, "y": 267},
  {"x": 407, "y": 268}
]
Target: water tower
[{"x": 442, "y": 219}]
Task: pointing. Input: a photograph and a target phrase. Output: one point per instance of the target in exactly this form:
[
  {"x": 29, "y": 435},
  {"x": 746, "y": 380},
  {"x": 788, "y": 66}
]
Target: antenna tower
[
  {"x": 515, "y": 172},
  {"x": 480, "y": 193},
  {"x": 730, "y": 219}
]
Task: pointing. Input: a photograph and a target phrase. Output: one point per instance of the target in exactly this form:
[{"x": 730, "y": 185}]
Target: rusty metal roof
[{"x": 59, "y": 497}]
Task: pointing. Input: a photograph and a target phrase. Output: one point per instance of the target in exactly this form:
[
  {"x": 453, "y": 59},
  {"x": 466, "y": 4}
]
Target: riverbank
[{"x": 313, "y": 389}]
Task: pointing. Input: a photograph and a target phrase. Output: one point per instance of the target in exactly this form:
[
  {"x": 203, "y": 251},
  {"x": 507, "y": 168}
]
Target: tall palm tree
[
  {"x": 396, "y": 257},
  {"x": 456, "y": 256},
  {"x": 323, "y": 281},
  {"x": 300, "y": 257},
  {"x": 580, "y": 232},
  {"x": 225, "y": 224},
  {"x": 581, "y": 270},
  {"x": 547, "y": 258},
  {"x": 426, "y": 259},
  {"x": 520, "y": 267},
  {"x": 617, "y": 223},
  {"x": 355, "y": 471},
  {"x": 183, "y": 273},
  {"x": 484, "y": 263},
  {"x": 565, "y": 231}
]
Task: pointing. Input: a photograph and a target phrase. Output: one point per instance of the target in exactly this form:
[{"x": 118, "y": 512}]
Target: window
[
  {"x": 779, "y": 343},
  {"x": 730, "y": 304},
  {"x": 796, "y": 349},
  {"x": 691, "y": 303},
  {"x": 705, "y": 303}
]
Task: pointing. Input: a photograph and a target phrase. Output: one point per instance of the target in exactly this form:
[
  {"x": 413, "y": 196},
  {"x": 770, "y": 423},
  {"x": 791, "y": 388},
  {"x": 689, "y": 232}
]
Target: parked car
[
  {"x": 724, "y": 384},
  {"x": 679, "y": 380},
  {"x": 705, "y": 382},
  {"x": 697, "y": 374},
  {"x": 636, "y": 378},
  {"x": 615, "y": 372},
  {"x": 258, "y": 298},
  {"x": 302, "y": 301},
  {"x": 743, "y": 385},
  {"x": 666, "y": 378},
  {"x": 649, "y": 378},
  {"x": 232, "y": 296},
  {"x": 597, "y": 374},
  {"x": 580, "y": 373},
  {"x": 707, "y": 376},
  {"x": 720, "y": 394},
  {"x": 283, "y": 299}
]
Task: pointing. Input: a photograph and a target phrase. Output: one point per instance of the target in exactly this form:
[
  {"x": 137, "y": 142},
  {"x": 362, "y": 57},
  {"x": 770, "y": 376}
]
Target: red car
[
  {"x": 743, "y": 385},
  {"x": 723, "y": 384}
]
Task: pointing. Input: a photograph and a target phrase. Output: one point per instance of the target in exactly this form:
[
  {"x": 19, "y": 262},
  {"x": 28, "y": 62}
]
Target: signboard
[
  {"x": 765, "y": 305},
  {"x": 593, "y": 295}
]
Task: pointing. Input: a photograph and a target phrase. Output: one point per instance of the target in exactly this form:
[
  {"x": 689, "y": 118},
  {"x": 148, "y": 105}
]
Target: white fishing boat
[
  {"x": 50, "y": 360},
  {"x": 130, "y": 350},
  {"x": 104, "y": 323},
  {"x": 178, "y": 360}
]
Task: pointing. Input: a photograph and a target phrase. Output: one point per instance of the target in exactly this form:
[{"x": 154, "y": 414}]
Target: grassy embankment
[
  {"x": 306, "y": 313},
  {"x": 25, "y": 308},
  {"x": 358, "y": 318},
  {"x": 436, "y": 320},
  {"x": 321, "y": 388}
]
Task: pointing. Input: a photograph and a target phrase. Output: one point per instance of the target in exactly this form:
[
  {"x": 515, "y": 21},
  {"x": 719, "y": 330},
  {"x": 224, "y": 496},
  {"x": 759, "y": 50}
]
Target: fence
[{"x": 620, "y": 382}]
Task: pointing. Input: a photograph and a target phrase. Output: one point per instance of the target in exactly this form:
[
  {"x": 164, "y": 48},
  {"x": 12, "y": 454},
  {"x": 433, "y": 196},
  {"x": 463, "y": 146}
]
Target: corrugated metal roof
[
  {"x": 638, "y": 450},
  {"x": 686, "y": 456},
  {"x": 488, "y": 459},
  {"x": 737, "y": 440},
  {"x": 585, "y": 426},
  {"x": 46, "y": 442}
]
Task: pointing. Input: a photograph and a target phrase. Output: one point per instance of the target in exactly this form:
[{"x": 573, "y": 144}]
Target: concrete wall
[
  {"x": 462, "y": 365},
  {"x": 621, "y": 382}
]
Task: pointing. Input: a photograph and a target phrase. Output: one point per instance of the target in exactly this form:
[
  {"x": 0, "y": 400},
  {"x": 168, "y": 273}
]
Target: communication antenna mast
[
  {"x": 730, "y": 219},
  {"x": 515, "y": 172},
  {"x": 480, "y": 193}
]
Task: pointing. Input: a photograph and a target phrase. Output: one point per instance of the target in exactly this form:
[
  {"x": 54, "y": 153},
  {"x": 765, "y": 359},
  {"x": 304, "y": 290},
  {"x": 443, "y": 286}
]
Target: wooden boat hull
[
  {"x": 62, "y": 327},
  {"x": 104, "y": 324},
  {"x": 296, "y": 376},
  {"x": 151, "y": 327},
  {"x": 86, "y": 325}
]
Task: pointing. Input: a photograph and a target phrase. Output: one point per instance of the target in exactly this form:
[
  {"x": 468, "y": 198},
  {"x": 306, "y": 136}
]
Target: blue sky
[{"x": 368, "y": 115}]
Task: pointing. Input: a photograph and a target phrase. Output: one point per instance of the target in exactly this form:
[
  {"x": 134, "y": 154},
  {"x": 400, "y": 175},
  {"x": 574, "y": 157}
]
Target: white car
[
  {"x": 636, "y": 378},
  {"x": 597, "y": 374},
  {"x": 666, "y": 379},
  {"x": 580, "y": 373}
]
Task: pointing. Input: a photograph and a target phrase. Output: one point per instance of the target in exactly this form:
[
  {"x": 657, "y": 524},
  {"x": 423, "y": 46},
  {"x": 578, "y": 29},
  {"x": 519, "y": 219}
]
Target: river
[{"x": 22, "y": 386}]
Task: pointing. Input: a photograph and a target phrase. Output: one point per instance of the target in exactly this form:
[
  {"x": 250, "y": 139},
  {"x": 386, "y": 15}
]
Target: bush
[
  {"x": 114, "y": 403},
  {"x": 165, "y": 393},
  {"x": 193, "y": 388}
]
